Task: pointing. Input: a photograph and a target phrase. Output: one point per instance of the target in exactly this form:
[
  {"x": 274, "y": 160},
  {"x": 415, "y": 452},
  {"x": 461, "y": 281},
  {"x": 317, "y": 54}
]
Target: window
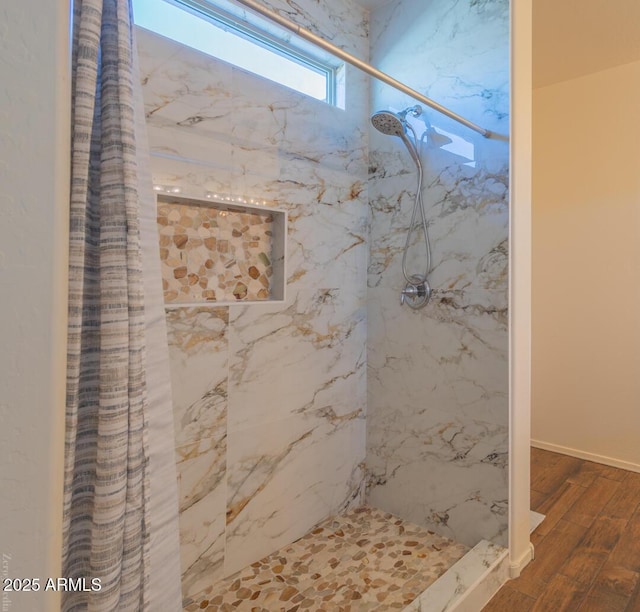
[{"x": 257, "y": 47}]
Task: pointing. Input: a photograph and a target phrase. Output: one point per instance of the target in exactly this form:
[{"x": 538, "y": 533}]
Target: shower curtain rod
[{"x": 358, "y": 63}]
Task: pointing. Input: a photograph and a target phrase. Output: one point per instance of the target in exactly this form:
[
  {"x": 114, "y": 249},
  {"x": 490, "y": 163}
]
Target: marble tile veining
[
  {"x": 198, "y": 349},
  {"x": 437, "y": 407},
  {"x": 278, "y": 483},
  {"x": 364, "y": 560},
  {"x": 270, "y": 402},
  {"x": 198, "y": 352}
]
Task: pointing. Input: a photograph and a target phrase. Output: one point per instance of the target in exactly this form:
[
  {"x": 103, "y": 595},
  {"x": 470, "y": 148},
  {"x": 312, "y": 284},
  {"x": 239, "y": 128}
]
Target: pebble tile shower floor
[{"x": 364, "y": 560}]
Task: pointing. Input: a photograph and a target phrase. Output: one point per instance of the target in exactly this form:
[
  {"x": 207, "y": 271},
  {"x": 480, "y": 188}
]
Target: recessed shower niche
[{"x": 220, "y": 253}]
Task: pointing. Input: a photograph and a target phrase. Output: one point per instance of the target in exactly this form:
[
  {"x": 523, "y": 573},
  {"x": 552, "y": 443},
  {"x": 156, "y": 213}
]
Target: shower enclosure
[{"x": 289, "y": 413}]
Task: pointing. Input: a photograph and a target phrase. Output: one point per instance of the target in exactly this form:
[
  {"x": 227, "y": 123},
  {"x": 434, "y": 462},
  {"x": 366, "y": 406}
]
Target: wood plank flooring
[{"x": 588, "y": 546}]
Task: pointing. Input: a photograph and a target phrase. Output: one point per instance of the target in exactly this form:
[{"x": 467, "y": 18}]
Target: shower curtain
[{"x": 120, "y": 495}]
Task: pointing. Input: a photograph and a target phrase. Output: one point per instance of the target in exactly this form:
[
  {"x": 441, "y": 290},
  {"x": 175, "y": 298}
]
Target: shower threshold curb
[{"x": 469, "y": 584}]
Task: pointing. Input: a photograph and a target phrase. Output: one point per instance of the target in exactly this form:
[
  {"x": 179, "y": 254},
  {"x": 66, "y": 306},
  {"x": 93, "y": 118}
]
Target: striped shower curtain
[{"x": 108, "y": 523}]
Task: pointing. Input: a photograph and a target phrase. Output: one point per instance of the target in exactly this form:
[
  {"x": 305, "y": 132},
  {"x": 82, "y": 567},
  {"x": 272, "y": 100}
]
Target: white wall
[
  {"x": 586, "y": 272},
  {"x": 34, "y": 136}
]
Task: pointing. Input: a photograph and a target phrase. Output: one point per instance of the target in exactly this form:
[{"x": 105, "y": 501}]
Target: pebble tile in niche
[
  {"x": 365, "y": 560},
  {"x": 214, "y": 254}
]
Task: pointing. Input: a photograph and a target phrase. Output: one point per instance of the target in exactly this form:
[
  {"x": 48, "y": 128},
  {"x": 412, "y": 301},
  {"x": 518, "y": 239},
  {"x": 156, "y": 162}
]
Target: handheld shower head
[
  {"x": 417, "y": 291},
  {"x": 392, "y": 124},
  {"x": 389, "y": 123}
]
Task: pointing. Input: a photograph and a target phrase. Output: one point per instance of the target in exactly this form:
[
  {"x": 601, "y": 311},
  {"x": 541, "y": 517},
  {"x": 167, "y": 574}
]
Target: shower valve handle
[
  {"x": 416, "y": 296},
  {"x": 411, "y": 291}
]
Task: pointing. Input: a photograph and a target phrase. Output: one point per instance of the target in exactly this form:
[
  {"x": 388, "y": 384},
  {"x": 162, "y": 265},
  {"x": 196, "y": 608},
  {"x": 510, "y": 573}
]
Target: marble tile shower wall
[
  {"x": 269, "y": 399},
  {"x": 437, "y": 411}
]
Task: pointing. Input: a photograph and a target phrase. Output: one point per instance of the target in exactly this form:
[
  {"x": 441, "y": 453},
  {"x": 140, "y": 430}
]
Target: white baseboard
[
  {"x": 574, "y": 452},
  {"x": 517, "y": 565}
]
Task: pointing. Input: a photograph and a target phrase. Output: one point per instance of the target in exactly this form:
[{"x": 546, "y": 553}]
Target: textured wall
[
  {"x": 437, "y": 424},
  {"x": 586, "y": 354},
  {"x": 34, "y": 173},
  {"x": 269, "y": 399}
]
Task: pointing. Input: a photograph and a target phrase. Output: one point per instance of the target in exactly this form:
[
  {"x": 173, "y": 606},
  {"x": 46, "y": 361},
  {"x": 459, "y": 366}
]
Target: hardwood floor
[{"x": 587, "y": 548}]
